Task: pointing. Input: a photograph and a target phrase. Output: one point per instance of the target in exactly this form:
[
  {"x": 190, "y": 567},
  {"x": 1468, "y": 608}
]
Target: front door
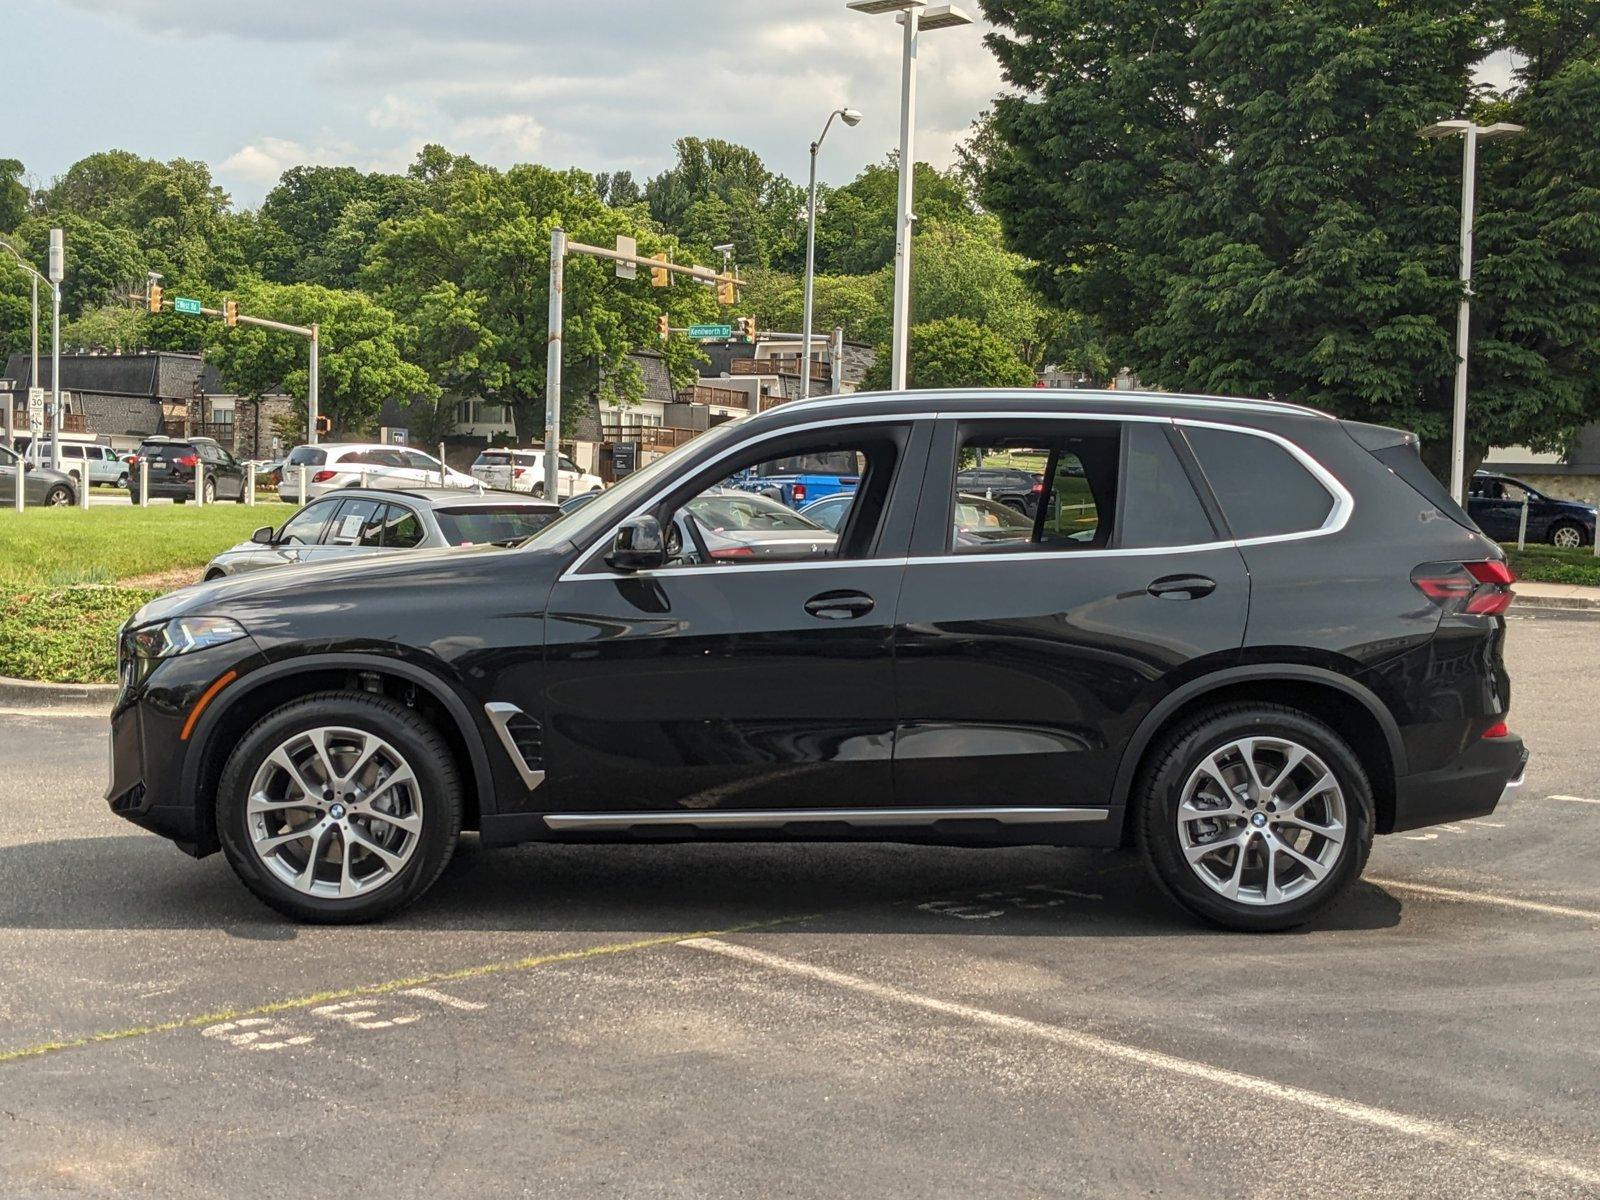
[
  {"x": 1027, "y": 652},
  {"x": 736, "y": 683}
]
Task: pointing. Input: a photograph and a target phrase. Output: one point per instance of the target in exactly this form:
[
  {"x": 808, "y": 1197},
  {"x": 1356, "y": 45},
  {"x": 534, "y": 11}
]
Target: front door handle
[
  {"x": 1182, "y": 587},
  {"x": 840, "y": 606}
]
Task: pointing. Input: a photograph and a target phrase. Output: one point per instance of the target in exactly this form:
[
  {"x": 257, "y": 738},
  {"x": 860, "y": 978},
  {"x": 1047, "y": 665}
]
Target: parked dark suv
[
  {"x": 171, "y": 469},
  {"x": 1254, "y": 637}
]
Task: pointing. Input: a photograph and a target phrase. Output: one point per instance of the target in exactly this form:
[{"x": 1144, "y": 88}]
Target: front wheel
[
  {"x": 59, "y": 496},
  {"x": 339, "y": 808},
  {"x": 538, "y": 491},
  {"x": 1256, "y": 817},
  {"x": 1567, "y": 536}
]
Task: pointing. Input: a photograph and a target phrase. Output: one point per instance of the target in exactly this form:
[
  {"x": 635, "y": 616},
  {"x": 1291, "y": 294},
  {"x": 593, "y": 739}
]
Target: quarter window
[{"x": 1264, "y": 490}]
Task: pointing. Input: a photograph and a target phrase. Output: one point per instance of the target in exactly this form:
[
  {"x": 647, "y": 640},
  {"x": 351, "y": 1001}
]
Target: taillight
[
  {"x": 518, "y": 472},
  {"x": 1497, "y": 730},
  {"x": 1037, "y": 488},
  {"x": 733, "y": 552},
  {"x": 188, "y": 460},
  {"x": 799, "y": 493},
  {"x": 1480, "y": 589},
  {"x": 323, "y": 476}
]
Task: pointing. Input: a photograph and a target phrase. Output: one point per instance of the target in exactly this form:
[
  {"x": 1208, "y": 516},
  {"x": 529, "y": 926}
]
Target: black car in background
[
  {"x": 1011, "y": 486},
  {"x": 1242, "y": 636},
  {"x": 1495, "y": 502},
  {"x": 171, "y": 470}
]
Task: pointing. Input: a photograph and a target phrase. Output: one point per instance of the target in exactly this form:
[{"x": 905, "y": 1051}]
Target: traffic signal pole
[
  {"x": 627, "y": 258},
  {"x": 230, "y": 313}
]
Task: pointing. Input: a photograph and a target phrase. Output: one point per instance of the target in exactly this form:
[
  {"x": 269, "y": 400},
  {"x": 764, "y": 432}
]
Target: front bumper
[{"x": 1471, "y": 786}]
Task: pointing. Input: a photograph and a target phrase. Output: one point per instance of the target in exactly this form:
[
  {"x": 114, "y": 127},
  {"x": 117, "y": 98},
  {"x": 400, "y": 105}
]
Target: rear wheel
[
  {"x": 1256, "y": 817},
  {"x": 538, "y": 491},
  {"x": 122, "y": 481},
  {"x": 1567, "y": 536},
  {"x": 208, "y": 490},
  {"x": 339, "y": 808}
]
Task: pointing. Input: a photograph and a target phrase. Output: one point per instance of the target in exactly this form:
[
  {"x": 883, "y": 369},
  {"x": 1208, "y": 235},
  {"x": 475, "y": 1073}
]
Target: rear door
[{"x": 1023, "y": 666}]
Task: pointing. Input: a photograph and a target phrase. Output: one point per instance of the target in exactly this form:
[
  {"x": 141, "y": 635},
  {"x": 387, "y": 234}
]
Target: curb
[
  {"x": 81, "y": 697},
  {"x": 1570, "y": 603}
]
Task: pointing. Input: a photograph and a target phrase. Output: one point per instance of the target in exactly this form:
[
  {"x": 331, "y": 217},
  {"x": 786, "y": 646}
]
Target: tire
[
  {"x": 180, "y": 499},
  {"x": 353, "y": 722},
  {"x": 208, "y": 491},
  {"x": 59, "y": 496},
  {"x": 1568, "y": 535},
  {"x": 210, "y": 575},
  {"x": 1176, "y": 773},
  {"x": 122, "y": 481},
  {"x": 1015, "y": 505},
  {"x": 538, "y": 491}
]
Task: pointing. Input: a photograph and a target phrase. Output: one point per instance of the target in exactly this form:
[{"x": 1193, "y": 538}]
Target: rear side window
[
  {"x": 1159, "y": 506},
  {"x": 492, "y": 458},
  {"x": 355, "y": 524},
  {"x": 402, "y": 528},
  {"x": 1071, "y": 507},
  {"x": 1405, "y": 462},
  {"x": 1263, "y": 489}
]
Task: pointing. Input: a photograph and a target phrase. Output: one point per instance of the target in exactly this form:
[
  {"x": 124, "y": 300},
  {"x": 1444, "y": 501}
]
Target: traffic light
[
  {"x": 662, "y": 328},
  {"x": 725, "y": 290},
  {"x": 658, "y": 275},
  {"x": 747, "y": 329},
  {"x": 154, "y": 298},
  {"x": 230, "y": 313},
  {"x": 324, "y": 425}
]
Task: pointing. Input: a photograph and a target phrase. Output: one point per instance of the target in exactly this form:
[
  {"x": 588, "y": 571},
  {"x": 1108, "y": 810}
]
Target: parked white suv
[
  {"x": 102, "y": 463},
  {"x": 365, "y": 464},
  {"x": 510, "y": 470}
]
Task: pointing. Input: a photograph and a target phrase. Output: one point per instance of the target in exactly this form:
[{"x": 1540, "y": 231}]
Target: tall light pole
[
  {"x": 58, "y": 272},
  {"x": 33, "y": 278},
  {"x": 916, "y": 16},
  {"x": 850, "y": 117},
  {"x": 1471, "y": 135}
]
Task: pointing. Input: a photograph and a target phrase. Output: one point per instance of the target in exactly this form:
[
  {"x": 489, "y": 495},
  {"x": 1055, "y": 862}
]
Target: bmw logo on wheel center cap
[
  {"x": 1258, "y": 819},
  {"x": 336, "y": 811}
]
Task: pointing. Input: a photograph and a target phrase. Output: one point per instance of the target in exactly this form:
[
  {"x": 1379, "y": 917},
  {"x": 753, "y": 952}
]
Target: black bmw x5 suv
[{"x": 1245, "y": 637}]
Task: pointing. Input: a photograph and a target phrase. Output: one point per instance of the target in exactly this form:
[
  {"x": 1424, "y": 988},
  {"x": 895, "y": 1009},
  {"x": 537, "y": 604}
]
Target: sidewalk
[{"x": 1554, "y": 595}]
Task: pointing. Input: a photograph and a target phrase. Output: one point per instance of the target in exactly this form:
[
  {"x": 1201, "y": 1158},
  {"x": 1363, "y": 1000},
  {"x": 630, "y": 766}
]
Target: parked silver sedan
[
  {"x": 382, "y": 521},
  {"x": 40, "y": 485}
]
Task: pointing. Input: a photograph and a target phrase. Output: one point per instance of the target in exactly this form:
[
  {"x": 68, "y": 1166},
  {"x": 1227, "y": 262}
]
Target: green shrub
[
  {"x": 65, "y": 634},
  {"x": 1546, "y": 564}
]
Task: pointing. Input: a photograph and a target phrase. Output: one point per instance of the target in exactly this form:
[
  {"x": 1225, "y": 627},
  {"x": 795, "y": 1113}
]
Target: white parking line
[
  {"x": 1574, "y": 799},
  {"x": 1349, "y": 1110},
  {"x": 444, "y": 998},
  {"x": 1444, "y": 893}
]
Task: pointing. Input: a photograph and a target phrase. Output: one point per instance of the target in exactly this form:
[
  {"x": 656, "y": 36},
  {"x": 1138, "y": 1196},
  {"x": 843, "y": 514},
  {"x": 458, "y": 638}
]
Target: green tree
[
  {"x": 320, "y": 222},
  {"x": 856, "y": 222},
  {"x": 954, "y": 352},
  {"x": 103, "y": 264},
  {"x": 858, "y": 303},
  {"x": 115, "y": 328},
  {"x": 14, "y": 194},
  {"x": 718, "y": 192},
  {"x": 486, "y": 234},
  {"x": 361, "y": 364},
  {"x": 1234, "y": 193}
]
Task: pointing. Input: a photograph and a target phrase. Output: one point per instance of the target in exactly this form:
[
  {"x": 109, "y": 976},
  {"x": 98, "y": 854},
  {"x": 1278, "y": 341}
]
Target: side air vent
[{"x": 523, "y": 739}]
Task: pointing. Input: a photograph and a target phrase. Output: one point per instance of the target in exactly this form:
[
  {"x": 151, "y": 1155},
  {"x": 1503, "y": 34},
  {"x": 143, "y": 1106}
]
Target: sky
[{"x": 253, "y": 87}]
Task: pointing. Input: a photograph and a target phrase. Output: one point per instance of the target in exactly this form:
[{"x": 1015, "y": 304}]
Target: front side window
[{"x": 1263, "y": 489}]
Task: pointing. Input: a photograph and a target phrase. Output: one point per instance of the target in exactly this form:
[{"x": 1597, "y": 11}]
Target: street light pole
[
  {"x": 917, "y": 17},
  {"x": 850, "y": 117},
  {"x": 1471, "y": 134},
  {"x": 58, "y": 271},
  {"x": 552, "y": 364}
]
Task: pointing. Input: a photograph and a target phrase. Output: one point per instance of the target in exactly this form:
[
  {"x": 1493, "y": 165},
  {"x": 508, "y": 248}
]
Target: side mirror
[
  {"x": 637, "y": 546},
  {"x": 262, "y": 536}
]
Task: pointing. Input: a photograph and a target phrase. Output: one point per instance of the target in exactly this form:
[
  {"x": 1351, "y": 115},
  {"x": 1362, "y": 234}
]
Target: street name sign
[
  {"x": 710, "y": 331},
  {"x": 185, "y": 305}
]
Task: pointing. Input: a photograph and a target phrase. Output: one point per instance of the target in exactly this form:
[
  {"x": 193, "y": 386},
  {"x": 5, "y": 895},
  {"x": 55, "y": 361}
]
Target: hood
[{"x": 313, "y": 583}]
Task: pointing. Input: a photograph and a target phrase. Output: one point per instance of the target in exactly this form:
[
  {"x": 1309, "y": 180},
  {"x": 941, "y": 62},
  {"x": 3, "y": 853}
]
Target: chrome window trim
[
  {"x": 1338, "y": 515},
  {"x": 764, "y": 818},
  {"x": 1237, "y": 403}
]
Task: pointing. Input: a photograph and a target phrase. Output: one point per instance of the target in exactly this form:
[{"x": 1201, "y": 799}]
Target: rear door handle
[
  {"x": 1182, "y": 587},
  {"x": 840, "y": 606}
]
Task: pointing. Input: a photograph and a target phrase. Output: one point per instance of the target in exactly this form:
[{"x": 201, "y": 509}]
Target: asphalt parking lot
[{"x": 705, "y": 1021}]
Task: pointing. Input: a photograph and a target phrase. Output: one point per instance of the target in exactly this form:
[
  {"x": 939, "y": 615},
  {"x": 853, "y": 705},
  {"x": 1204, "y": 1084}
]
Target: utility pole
[{"x": 58, "y": 272}]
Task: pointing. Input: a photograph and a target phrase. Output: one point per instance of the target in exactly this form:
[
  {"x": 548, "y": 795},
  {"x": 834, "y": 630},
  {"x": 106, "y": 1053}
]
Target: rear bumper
[{"x": 1471, "y": 786}]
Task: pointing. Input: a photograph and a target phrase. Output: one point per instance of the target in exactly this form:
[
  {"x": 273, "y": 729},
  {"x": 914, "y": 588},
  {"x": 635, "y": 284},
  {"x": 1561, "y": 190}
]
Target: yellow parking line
[{"x": 378, "y": 989}]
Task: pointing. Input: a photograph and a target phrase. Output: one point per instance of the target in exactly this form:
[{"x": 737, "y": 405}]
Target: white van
[
  {"x": 511, "y": 470},
  {"x": 102, "y": 464}
]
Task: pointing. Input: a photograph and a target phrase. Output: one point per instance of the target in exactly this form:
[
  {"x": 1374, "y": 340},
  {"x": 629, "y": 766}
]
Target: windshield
[
  {"x": 504, "y": 523},
  {"x": 746, "y": 511},
  {"x": 308, "y": 456},
  {"x": 613, "y": 503}
]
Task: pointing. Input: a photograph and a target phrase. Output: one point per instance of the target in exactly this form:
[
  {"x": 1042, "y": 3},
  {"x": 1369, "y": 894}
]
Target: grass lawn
[
  {"x": 62, "y": 595},
  {"x": 45, "y": 547},
  {"x": 1546, "y": 564}
]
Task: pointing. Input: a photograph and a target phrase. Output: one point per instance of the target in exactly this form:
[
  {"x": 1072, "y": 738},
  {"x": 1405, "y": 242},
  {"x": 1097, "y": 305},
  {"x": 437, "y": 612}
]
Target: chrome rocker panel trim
[{"x": 767, "y": 818}]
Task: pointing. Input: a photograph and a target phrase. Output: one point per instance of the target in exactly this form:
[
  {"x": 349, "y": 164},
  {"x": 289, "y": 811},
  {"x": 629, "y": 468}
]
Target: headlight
[{"x": 181, "y": 635}]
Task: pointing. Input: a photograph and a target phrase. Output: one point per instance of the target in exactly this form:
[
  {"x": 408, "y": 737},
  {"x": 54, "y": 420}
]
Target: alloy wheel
[
  {"x": 1262, "y": 820},
  {"x": 1566, "y": 538},
  {"x": 334, "y": 812},
  {"x": 59, "y": 498}
]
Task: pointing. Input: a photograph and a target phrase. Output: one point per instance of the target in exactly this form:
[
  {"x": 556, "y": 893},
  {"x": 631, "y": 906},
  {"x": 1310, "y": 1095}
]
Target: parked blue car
[
  {"x": 802, "y": 479},
  {"x": 1495, "y": 503}
]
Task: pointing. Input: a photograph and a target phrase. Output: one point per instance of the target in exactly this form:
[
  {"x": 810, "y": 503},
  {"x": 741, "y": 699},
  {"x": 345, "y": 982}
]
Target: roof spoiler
[{"x": 1379, "y": 437}]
